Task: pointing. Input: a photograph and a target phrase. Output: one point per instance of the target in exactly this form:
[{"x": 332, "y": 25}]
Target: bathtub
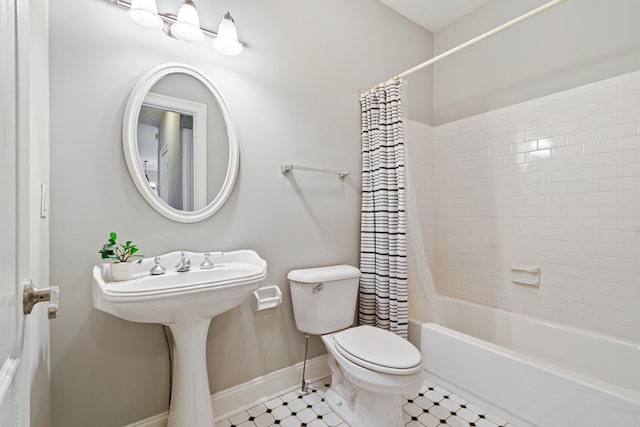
[{"x": 529, "y": 371}]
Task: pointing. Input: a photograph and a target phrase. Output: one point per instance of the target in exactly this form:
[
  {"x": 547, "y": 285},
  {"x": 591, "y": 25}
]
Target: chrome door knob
[{"x": 31, "y": 296}]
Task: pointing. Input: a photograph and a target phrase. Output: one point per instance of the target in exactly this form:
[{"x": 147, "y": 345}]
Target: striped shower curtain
[{"x": 383, "y": 246}]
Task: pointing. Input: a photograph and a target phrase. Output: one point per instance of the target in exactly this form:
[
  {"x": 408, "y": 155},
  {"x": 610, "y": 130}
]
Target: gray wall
[
  {"x": 577, "y": 42},
  {"x": 294, "y": 97}
]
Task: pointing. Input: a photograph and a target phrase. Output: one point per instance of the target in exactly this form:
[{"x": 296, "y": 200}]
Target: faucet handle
[
  {"x": 157, "y": 269},
  {"x": 207, "y": 264}
]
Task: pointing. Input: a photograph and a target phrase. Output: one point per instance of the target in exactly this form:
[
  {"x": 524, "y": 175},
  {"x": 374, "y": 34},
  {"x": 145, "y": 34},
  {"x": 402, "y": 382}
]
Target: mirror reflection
[
  {"x": 166, "y": 148},
  {"x": 182, "y": 142}
]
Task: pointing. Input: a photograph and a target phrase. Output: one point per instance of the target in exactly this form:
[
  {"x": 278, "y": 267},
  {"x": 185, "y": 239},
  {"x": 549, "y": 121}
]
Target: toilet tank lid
[{"x": 324, "y": 274}]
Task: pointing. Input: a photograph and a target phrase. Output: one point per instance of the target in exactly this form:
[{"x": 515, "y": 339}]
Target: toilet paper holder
[{"x": 267, "y": 297}]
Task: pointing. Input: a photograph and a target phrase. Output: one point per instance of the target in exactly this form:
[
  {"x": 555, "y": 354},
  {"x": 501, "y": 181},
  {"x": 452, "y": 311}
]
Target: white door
[
  {"x": 10, "y": 350},
  {"x": 23, "y": 233}
]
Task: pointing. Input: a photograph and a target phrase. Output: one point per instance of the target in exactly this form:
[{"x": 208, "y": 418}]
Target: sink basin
[
  {"x": 186, "y": 302},
  {"x": 178, "y": 297}
]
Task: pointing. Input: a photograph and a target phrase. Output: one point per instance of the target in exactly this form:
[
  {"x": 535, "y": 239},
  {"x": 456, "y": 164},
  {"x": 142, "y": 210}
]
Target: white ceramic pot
[{"x": 121, "y": 271}]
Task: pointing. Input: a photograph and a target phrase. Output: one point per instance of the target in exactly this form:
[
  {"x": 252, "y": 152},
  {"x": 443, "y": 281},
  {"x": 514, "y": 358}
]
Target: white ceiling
[{"x": 434, "y": 15}]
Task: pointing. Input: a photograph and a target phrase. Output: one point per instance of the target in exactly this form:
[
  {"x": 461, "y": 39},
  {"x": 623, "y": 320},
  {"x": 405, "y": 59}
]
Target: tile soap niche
[{"x": 525, "y": 275}]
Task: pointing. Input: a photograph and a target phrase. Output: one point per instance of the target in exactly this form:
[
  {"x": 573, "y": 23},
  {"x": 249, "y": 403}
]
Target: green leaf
[
  {"x": 121, "y": 252},
  {"x": 107, "y": 251}
]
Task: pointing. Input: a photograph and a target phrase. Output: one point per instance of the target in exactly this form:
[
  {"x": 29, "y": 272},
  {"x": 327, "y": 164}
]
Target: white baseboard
[
  {"x": 228, "y": 402},
  {"x": 155, "y": 421}
]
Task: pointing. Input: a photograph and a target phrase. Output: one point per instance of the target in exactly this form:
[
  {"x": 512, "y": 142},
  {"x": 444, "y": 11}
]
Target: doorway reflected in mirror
[{"x": 166, "y": 147}]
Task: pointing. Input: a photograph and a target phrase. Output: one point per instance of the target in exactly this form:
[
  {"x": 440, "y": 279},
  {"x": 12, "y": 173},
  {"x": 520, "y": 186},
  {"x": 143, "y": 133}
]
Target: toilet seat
[{"x": 378, "y": 350}]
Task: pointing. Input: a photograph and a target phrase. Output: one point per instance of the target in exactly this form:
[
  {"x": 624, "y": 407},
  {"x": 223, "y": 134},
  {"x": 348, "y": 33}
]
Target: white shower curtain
[
  {"x": 383, "y": 246},
  {"x": 423, "y": 297}
]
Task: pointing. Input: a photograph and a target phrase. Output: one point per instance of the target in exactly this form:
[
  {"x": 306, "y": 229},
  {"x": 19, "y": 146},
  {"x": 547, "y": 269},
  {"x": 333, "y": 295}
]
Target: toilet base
[
  {"x": 362, "y": 407},
  {"x": 370, "y": 409}
]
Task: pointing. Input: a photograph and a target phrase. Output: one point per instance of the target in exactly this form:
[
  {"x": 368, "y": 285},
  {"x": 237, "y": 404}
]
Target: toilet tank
[{"x": 324, "y": 298}]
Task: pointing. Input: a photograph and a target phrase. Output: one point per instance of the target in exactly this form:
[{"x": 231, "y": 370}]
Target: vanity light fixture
[
  {"x": 227, "y": 41},
  {"x": 144, "y": 13},
  {"x": 185, "y": 26}
]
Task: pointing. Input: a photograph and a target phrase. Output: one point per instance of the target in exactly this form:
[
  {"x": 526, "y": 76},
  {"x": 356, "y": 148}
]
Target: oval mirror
[{"x": 179, "y": 143}]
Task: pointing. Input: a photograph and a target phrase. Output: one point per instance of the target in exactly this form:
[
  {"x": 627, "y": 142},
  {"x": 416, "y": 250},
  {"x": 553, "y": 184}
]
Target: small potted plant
[{"x": 123, "y": 255}]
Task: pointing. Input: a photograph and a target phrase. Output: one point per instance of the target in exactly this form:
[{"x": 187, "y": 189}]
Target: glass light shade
[
  {"x": 144, "y": 13},
  {"x": 187, "y": 26},
  {"x": 227, "y": 42}
]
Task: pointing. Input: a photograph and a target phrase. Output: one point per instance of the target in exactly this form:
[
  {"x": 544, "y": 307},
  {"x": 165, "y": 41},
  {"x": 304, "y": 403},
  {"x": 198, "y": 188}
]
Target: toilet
[{"x": 370, "y": 368}]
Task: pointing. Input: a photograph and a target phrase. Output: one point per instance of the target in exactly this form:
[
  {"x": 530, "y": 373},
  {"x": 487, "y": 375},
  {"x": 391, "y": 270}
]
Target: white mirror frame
[{"x": 130, "y": 146}]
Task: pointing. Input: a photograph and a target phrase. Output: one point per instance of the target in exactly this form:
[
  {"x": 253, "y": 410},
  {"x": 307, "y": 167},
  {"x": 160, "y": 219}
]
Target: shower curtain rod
[{"x": 474, "y": 40}]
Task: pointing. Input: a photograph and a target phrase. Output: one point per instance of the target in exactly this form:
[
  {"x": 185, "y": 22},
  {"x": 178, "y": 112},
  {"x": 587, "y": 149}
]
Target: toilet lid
[{"x": 378, "y": 350}]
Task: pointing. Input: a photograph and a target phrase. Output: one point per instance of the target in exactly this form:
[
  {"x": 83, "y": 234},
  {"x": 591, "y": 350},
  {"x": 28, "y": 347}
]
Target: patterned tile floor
[{"x": 432, "y": 406}]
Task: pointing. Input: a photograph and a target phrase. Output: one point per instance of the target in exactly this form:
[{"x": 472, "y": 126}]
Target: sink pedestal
[
  {"x": 185, "y": 302},
  {"x": 191, "y": 398}
]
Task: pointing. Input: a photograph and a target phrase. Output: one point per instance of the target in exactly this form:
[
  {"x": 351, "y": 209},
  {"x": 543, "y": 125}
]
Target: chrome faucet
[
  {"x": 184, "y": 264},
  {"x": 207, "y": 264}
]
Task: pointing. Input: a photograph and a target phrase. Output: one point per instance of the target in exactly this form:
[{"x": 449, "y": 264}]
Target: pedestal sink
[{"x": 185, "y": 302}]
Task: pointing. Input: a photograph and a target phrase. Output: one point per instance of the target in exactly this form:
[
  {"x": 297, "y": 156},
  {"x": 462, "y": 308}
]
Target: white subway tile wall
[{"x": 554, "y": 183}]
